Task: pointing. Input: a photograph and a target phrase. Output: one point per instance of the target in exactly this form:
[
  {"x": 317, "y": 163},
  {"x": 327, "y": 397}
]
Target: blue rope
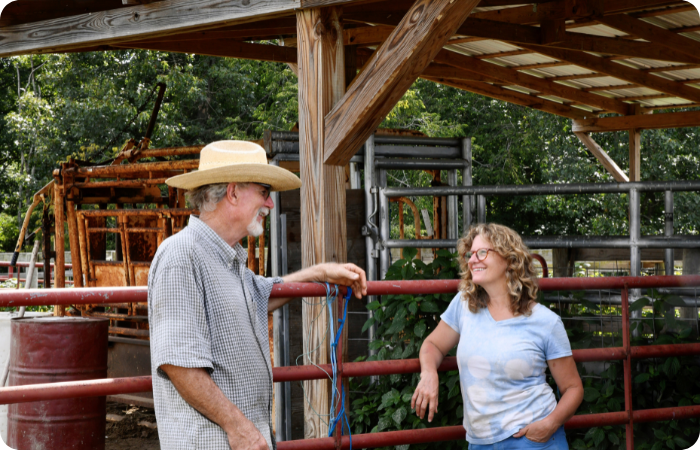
[{"x": 334, "y": 345}]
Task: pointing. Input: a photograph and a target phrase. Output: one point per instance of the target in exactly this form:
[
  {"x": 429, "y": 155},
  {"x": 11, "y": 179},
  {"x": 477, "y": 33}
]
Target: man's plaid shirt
[{"x": 206, "y": 309}]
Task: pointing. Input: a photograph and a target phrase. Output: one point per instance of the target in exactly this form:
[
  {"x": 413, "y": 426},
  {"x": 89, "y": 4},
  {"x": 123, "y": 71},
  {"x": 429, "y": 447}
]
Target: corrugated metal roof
[{"x": 675, "y": 72}]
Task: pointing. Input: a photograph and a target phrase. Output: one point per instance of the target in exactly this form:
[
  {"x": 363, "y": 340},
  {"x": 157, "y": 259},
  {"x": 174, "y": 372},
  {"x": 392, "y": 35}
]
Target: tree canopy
[{"x": 87, "y": 105}]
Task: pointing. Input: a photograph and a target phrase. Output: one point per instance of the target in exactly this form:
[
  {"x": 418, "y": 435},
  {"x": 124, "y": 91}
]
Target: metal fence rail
[{"x": 33, "y": 297}]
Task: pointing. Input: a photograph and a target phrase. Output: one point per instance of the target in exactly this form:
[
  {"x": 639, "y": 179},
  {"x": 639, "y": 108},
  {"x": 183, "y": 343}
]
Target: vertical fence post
[
  {"x": 481, "y": 208},
  {"x": 384, "y": 225},
  {"x": 467, "y": 200},
  {"x": 635, "y": 229},
  {"x": 627, "y": 368},
  {"x": 668, "y": 231}
]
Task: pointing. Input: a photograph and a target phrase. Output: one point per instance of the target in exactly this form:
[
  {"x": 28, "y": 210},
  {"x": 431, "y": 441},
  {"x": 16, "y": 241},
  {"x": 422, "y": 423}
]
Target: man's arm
[
  {"x": 342, "y": 274},
  {"x": 200, "y": 391}
]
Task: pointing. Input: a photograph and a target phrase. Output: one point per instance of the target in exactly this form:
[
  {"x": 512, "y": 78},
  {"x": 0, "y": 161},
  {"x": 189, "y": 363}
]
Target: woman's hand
[
  {"x": 539, "y": 431},
  {"x": 426, "y": 394}
]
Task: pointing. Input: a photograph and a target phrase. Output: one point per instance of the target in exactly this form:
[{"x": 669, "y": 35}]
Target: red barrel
[{"x": 50, "y": 350}]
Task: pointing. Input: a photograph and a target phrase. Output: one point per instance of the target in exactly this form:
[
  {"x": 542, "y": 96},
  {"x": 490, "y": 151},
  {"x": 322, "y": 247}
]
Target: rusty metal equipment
[{"x": 55, "y": 350}]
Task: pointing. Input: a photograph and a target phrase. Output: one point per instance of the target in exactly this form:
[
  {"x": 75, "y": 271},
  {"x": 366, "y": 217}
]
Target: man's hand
[
  {"x": 346, "y": 275},
  {"x": 245, "y": 436}
]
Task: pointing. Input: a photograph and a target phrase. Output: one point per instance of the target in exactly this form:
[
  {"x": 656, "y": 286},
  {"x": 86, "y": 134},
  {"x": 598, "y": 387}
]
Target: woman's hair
[{"x": 520, "y": 274}]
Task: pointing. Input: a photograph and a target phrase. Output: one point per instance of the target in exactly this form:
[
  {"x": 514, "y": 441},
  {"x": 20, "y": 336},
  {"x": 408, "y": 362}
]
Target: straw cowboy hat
[{"x": 235, "y": 161}]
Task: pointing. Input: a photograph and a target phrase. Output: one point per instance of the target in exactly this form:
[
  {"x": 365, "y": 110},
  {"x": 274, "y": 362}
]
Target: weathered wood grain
[
  {"x": 512, "y": 96},
  {"x": 619, "y": 71},
  {"x": 135, "y": 22},
  {"x": 59, "y": 244},
  {"x": 409, "y": 49},
  {"x": 228, "y": 48},
  {"x": 639, "y": 122},
  {"x": 602, "y": 156},
  {"x": 544, "y": 86},
  {"x": 321, "y": 85},
  {"x": 645, "y": 30},
  {"x": 635, "y": 145}
]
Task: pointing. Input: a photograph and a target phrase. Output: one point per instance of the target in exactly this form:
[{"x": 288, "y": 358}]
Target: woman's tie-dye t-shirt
[{"x": 501, "y": 368}]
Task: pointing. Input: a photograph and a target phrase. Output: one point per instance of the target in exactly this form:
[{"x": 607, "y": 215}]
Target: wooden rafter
[
  {"x": 135, "y": 22},
  {"x": 652, "y": 33},
  {"x": 389, "y": 73},
  {"x": 620, "y": 71},
  {"x": 545, "y": 87},
  {"x": 639, "y": 122},
  {"x": 569, "y": 10},
  {"x": 511, "y": 96},
  {"x": 524, "y": 34},
  {"x": 684, "y": 7},
  {"x": 602, "y": 156},
  {"x": 228, "y": 48}
]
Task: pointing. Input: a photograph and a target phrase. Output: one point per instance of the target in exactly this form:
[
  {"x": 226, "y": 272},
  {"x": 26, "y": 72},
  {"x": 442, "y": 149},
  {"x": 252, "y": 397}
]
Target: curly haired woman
[{"x": 505, "y": 341}]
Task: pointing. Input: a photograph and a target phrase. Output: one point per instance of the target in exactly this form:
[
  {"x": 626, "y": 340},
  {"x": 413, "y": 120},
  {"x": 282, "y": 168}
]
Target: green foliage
[
  {"x": 403, "y": 322},
  {"x": 8, "y": 233}
]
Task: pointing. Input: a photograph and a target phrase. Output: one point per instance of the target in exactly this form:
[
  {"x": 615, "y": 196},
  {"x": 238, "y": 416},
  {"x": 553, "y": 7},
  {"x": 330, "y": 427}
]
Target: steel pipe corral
[
  {"x": 114, "y": 386},
  {"x": 373, "y": 440},
  {"x": 677, "y": 241},
  {"x": 546, "y": 189},
  {"x": 73, "y": 389},
  {"x": 82, "y": 296}
]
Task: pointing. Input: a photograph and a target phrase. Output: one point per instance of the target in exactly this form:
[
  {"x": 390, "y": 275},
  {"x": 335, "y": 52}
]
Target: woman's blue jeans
[{"x": 556, "y": 442}]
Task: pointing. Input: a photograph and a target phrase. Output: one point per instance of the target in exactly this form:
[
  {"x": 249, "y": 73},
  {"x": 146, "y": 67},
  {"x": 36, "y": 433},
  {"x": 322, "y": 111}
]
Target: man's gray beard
[{"x": 255, "y": 228}]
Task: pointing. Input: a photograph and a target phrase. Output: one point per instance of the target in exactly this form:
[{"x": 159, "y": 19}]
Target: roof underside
[{"x": 566, "y": 57}]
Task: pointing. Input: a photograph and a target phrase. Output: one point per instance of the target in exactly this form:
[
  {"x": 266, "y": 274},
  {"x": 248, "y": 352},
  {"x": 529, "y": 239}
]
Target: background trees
[{"x": 86, "y": 105}]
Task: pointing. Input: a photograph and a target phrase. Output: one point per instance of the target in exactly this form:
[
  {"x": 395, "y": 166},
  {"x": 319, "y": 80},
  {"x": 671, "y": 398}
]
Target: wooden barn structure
[{"x": 608, "y": 65}]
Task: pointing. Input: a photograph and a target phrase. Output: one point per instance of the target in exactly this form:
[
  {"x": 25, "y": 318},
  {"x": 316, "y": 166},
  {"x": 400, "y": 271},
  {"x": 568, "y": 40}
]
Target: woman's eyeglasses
[{"x": 481, "y": 254}]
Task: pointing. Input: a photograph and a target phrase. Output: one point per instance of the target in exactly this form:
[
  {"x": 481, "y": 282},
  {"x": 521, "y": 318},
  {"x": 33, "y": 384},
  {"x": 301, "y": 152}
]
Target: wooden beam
[
  {"x": 135, "y": 22},
  {"x": 366, "y": 35},
  {"x": 227, "y": 48},
  {"x": 619, "y": 71},
  {"x": 541, "y": 85},
  {"x": 569, "y": 10},
  {"x": 409, "y": 49},
  {"x": 652, "y": 33},
  {"x": 639, "y": 122},
  {"x": 244, "y": 34},
  {"x": 511, "y": 96},
  {"x": 602, "y": 156},
  {"x": 525, "y": 34},
  {"x": 323, "y": 222},
  {"x": 436, "y": 70},
  {"x": 635, "y": 140}
]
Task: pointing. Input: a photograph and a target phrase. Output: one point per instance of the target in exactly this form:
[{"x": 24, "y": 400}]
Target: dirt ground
[{"x": 127, "y": 434}]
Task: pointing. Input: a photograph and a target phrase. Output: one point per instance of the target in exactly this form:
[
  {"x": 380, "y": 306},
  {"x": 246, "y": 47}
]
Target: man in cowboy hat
[{"x": 210, "y": 356}]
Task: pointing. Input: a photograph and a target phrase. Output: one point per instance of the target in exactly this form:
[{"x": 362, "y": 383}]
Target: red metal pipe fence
[{"x": 40, "y": 297}]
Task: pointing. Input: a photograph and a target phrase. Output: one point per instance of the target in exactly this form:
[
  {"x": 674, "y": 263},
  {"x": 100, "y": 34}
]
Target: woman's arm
[
  {"x": 569, "y": 382},
  {"x": 432, "y": 352}
]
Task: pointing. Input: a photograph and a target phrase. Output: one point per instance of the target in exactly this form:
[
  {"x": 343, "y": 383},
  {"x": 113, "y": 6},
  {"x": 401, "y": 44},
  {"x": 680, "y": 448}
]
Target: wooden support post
[
  {"x": 74, "y": 240},
  {"x": 59, "y": 244},
  {"x": 321, "y": 85},
  {"x": 46, "y": 248},
  {"x": 635, "y": 144}
]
